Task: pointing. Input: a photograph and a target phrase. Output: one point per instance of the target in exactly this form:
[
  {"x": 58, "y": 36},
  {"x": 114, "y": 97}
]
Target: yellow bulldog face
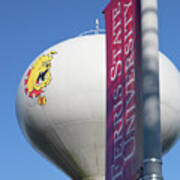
[{"x": 38, "y": 77}]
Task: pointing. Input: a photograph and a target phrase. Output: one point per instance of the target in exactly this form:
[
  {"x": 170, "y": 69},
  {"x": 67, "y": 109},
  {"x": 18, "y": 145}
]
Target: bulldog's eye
[{"x": 47, "y": 65}]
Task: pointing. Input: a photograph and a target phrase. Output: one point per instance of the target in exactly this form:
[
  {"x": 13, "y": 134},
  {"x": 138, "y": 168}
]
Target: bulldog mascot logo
[{"x": 39, "y": 77}]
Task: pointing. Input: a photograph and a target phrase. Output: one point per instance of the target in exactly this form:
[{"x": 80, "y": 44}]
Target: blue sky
[{"x": 29, "y": 27}]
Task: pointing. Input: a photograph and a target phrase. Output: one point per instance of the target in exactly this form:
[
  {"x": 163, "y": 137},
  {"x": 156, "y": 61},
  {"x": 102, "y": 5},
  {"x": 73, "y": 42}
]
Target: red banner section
[{"x": 121, "y": 136}]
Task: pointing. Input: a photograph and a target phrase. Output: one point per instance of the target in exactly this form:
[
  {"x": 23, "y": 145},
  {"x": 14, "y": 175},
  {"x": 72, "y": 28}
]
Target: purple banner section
[{"x": 121, "y": 133}]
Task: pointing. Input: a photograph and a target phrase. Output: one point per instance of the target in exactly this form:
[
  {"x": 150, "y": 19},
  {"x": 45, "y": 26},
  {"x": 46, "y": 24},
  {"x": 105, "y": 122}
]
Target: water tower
[{"x": 61, "y": 105}]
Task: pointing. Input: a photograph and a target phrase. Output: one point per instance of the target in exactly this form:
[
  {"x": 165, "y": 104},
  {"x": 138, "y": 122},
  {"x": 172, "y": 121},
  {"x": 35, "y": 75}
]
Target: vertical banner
[{"x": 123, "y": 126}]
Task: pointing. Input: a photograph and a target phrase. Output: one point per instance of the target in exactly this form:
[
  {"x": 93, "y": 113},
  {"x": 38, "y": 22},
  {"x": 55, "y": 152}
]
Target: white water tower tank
[{"x": 61, "y": 105}]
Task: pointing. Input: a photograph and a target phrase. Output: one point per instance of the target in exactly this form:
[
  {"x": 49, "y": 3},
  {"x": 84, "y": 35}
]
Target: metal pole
[{"x": 152, "y": 164}]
